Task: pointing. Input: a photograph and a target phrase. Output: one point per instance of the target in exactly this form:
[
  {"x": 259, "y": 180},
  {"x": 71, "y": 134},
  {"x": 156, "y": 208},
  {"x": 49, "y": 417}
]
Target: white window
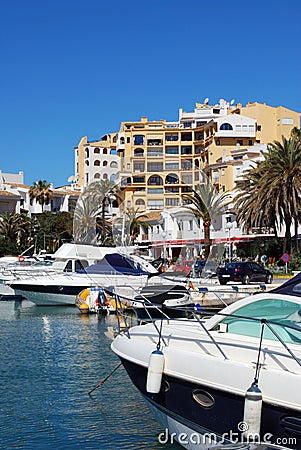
[{"x": 287, "y": 121}]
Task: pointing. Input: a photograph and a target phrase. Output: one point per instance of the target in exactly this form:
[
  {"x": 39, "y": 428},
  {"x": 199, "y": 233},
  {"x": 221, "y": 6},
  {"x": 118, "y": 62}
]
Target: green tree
[
  {"x": 135, "y": 221},
  {"x": 41, "y": 192},
  {"x": 90, "y": 222},
  {"x": 51, "y": 229},
  {"x": 271, "y": 191},
  {"x": 14, "y": 230},
  {"x": 208, "y": 204}
]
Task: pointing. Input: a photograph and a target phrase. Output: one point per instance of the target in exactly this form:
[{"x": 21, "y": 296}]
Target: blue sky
[{"x": 71, "y": 68}]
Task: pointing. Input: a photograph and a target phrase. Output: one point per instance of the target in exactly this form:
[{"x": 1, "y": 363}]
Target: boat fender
[
  {"x": 84, "y": 294},
  {"x": 252, "y": 411},
  {"x": 155, "y": 372},
  {"x": 21, "y": 258}
]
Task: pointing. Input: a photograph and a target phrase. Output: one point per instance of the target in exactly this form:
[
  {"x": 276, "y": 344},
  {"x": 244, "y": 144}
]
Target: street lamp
[{"x": 229, "y": 226}]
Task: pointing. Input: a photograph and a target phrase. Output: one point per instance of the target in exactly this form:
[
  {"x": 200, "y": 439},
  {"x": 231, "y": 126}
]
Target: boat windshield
[{"x": 285, "y": 318}]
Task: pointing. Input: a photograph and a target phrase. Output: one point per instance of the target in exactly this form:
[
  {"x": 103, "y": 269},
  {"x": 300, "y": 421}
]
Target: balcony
[
  {"x": 155, "y": 152},
  {"x": 155, "y": 142}
]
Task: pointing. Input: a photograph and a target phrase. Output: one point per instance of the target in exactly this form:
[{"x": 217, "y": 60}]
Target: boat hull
[
  {"x": 176, "y": 409},
  {"x": 63, "y": 290}
]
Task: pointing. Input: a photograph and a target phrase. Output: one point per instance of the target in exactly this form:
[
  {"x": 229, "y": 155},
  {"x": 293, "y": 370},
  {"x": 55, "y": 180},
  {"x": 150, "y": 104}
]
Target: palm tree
[
  {"x": 90, "y": 223},
  {"x": 41, "y": 192},
  {"x": 208, "y": 204},
  {"x": 134, "y": 221},
  {"x": 273, "y": 188},
  {"x": 296, "y": 132},
  {"x": 12, "y": 224},
  {"x": 252, "y": 212},
  {"x": 14, "y": 230}
]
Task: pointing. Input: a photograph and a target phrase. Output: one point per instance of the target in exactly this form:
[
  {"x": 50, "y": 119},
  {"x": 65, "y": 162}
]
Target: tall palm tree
[
  {"x": 207, "y": 205},
  {"x": 41, "y": 192},
  {"x": 90, "y": 222},
  {"x": 252, "y": 212},
  {"x": 273, "y": 188},
  {"x": 134, "y": 221}
]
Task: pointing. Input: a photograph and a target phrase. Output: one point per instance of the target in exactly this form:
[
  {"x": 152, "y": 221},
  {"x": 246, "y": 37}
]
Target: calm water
[{"x": 50, "y": 358}]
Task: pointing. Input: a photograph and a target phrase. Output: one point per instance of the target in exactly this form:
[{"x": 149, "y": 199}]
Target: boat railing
[{"x": 198, "y": 316}]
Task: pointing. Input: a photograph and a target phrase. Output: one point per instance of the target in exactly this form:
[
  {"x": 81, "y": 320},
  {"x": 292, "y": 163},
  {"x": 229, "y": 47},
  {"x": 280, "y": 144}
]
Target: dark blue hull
[{"x": 176, "y": 401}]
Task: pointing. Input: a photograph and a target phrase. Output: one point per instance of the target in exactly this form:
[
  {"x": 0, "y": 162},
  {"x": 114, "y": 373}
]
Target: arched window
[
  {"x": 155, "y": 180},
  {"x": 172, "y": 178},
  {"x": 97, "y": 150},
  {"x": 105, "y": 151},
  {"x": 86, "y": 153},
  {"x": 138, "y": 152},
  {"x": 96, "y": 162},
  {"x": 114, "y": 204},
  {"x": 87, "y": 163},
  {"x": 140, "y": 201},
  {"x": 105, "y": 163},
  {"x": 105, "y": 176},
  {"x": 226, "y": 126},
  {"x": 97, "y": 175},
  {"x": 122, "y": 140},
  {"x": 113, "y": 164}
]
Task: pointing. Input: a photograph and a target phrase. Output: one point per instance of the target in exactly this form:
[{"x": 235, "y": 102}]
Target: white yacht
[
  {"x": 231, "y": 381},
  {"x": 95, "y": 266}
]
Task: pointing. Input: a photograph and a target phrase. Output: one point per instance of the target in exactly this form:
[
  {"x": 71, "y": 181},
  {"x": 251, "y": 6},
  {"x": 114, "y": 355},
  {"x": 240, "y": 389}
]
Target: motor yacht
[
  {"x": 112, "y": 268},
  {"x": 230, "y": 381}
]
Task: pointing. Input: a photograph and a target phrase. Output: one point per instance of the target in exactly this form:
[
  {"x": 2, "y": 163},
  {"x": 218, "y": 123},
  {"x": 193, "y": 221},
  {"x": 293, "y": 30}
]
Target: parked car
[
  {"x": 245, "y": 272},
  {"x": 185, "y": 266},
  {"x": 204, "y": 268}
]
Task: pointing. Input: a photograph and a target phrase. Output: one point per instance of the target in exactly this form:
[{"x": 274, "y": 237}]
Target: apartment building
[
  {"x": 96, "y": 160},
  {"x": 162, "y": 160},
  {"x": 159, "y": 161}
]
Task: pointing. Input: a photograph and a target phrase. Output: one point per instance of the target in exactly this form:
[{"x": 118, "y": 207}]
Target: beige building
[
  {"x": 272, "y": 123},
  {"x": 161, "y": 160}
]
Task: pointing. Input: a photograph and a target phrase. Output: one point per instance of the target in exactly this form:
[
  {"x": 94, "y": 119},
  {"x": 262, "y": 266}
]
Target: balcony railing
[{"x": 155, "y": 152}]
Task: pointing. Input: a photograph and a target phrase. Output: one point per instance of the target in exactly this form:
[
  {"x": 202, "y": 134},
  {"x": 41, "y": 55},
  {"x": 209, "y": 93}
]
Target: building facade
[
  {"x": 14, "y": 196},
  {"x": 160, "y": 161},
  {"x": 96, "y": 160}
]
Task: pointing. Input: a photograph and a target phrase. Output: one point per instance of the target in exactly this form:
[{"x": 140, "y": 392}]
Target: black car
[
  {"x": 204, "y": 268},
  {"x": 246, "y": 272}
]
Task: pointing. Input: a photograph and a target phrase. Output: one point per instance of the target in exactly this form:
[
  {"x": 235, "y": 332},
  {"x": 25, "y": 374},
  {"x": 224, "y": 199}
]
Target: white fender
[
  {"x": 155, "y": 372},
  {"x": 252, "y": 410}
]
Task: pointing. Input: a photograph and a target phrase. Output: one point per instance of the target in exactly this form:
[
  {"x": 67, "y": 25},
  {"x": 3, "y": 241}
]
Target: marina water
[{"x": 50, "y": 358}]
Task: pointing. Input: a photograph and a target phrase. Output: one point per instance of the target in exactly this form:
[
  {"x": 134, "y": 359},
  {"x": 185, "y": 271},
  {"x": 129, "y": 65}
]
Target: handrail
[{"x": 196, "y": 319}]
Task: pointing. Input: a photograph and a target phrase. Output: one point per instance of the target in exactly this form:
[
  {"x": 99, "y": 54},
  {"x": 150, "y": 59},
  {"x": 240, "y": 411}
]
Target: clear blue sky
[{"x": 71, "y": 68}]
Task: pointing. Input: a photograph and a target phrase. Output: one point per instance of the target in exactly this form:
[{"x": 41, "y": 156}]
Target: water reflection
[{"x": 52, "y": 358}]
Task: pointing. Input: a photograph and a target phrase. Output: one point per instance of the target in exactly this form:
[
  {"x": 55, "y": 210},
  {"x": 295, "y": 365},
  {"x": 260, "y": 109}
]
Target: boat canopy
[
  {"x": 290, "y": 287},
  {"x": 115, "y": 263}
]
